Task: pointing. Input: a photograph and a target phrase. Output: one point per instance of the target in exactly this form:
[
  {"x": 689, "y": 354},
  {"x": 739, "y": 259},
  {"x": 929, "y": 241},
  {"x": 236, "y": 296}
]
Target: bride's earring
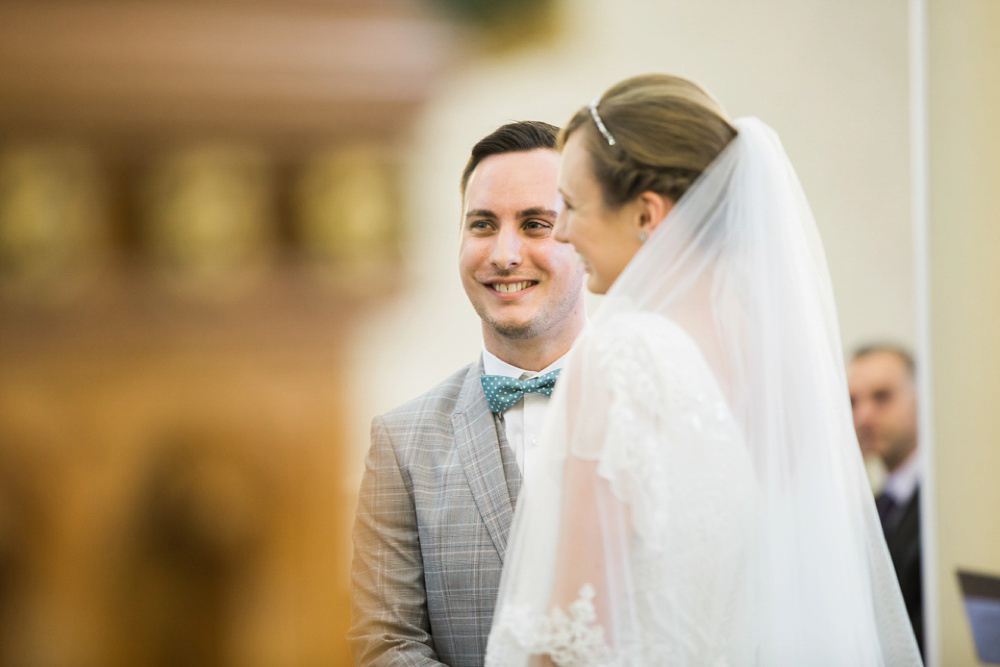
[{"x": 642, "y": 237}]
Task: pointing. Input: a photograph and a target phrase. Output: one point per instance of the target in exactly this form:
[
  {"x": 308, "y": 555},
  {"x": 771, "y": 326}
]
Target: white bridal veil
[{"x": 703, "y": 499}]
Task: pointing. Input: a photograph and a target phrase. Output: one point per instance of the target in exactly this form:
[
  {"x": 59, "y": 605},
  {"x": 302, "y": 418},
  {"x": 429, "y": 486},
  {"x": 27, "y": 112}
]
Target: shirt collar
[
  {"x": 902, "y": 482},
  {"x": 493, "y": 365}
]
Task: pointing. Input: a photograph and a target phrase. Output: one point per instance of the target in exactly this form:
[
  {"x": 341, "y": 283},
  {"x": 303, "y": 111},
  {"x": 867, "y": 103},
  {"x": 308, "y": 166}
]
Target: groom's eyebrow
[
  {"x": 537, "y": 212},
  {"x": 533, "y": 212}
]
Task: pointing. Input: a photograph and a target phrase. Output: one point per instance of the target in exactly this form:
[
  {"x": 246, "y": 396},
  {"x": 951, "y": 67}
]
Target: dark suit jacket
[{"x": 903, "y": 539}]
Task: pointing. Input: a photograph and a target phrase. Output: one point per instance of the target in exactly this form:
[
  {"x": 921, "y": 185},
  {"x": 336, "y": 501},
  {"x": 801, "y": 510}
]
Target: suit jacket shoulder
[{"x": 438, "y": 402}]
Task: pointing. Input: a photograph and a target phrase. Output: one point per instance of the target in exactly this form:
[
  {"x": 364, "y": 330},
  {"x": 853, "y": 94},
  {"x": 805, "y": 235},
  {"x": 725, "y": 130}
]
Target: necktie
[
  {"x": 885, "y": 505},
  {"x": 502, "y": 392}
]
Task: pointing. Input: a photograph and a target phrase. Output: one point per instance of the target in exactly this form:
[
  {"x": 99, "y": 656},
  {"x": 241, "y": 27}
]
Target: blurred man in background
[{"x": 882, "y": 385}]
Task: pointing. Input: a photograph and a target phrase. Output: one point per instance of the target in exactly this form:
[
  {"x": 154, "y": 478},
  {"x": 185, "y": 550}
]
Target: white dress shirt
[
  {"x": 523, "y": 421},
  {"x": 901, "y": 484}
]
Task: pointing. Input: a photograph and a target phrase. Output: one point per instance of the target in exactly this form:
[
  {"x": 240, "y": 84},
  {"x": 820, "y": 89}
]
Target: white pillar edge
[{"x": 920, "y": 201}]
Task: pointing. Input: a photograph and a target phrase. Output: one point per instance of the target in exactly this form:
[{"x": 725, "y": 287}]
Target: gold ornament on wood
[
  {"x": 53, "y": 226},
  {"x": 346, "y": 208},
  {"x": 206, "y": 214}
]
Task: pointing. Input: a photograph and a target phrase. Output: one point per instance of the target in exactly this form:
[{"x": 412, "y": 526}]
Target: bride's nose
[{"x": 561, "y": 230}]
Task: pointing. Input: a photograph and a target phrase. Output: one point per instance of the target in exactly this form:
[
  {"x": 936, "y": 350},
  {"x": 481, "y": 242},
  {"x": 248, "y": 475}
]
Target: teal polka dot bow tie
[{"x": 502, "y": 392}]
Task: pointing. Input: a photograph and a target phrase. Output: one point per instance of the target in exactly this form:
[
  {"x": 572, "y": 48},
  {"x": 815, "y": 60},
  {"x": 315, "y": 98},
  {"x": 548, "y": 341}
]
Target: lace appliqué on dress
[
  {"x": 670, "y": 444},
  {"x": 569, "y": 640}
]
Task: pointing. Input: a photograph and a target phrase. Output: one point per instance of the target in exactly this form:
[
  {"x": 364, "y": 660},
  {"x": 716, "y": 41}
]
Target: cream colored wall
[
  {"x": 831, "y": 77},
  {"x": 964, "y": 239}
]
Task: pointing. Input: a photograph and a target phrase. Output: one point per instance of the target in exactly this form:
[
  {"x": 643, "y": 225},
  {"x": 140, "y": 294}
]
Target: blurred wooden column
[
  {"x": 197, "y": 201},
  {"x": 290, "y": 74}
]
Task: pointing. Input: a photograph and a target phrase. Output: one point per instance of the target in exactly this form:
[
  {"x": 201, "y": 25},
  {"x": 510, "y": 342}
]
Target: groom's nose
[{"x": 506, "y": 251}]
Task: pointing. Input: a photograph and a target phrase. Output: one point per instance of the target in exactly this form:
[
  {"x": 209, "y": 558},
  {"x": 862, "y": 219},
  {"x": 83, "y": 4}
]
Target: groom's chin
[{"x": 514, "y": 330}]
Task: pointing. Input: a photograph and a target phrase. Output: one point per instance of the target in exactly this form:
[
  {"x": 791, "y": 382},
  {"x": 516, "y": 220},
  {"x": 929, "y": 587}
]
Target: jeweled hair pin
[{"x": 600, "y": 123}]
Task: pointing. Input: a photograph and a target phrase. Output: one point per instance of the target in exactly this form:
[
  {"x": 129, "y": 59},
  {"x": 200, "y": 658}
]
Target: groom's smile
[{"x": 511, "y": 289}]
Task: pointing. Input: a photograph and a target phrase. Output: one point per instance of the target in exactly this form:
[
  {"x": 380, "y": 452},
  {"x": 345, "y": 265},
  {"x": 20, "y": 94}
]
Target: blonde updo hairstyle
[{"x": 666, "y": 129}]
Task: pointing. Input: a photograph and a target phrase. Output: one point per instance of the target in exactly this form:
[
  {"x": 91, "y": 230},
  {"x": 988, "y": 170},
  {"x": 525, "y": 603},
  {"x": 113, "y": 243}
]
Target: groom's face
[{"x": 522, "y": 282}]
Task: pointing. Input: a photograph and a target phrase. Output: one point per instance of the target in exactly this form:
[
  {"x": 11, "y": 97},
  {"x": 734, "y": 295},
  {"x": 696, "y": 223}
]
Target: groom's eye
[{"x": 537, "y": 225}]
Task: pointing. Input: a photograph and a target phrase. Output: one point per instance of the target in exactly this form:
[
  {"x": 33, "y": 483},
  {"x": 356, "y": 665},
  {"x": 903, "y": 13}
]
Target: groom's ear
[{"x": 653, "y": 208}]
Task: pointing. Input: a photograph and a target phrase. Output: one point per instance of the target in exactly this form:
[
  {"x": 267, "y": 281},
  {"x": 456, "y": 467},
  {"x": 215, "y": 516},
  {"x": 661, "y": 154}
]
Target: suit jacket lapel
[{"x": 489, "y": 463}]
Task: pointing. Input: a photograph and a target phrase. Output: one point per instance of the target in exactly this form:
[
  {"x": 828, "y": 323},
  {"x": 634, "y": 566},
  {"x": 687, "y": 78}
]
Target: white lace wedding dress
[
  {"x": 701, "y": 498},
  {"x": 664, "y": 480}
]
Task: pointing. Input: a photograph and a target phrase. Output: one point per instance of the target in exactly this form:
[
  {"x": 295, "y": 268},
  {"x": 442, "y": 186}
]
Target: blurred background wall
[
  {"x": 228, "y": 237},
  {"x": 962, "y": 283}
]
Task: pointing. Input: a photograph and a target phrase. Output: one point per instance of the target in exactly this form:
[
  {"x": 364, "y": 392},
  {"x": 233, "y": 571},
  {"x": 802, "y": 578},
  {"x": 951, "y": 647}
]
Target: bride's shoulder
[
  {"x": 637, "y": 331},
  {"x": 641, "y": 349}
]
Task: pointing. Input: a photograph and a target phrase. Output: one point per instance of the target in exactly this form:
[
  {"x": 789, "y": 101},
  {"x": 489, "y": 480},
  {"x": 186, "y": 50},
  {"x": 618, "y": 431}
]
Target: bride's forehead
[{"x": 577, "y": 176}]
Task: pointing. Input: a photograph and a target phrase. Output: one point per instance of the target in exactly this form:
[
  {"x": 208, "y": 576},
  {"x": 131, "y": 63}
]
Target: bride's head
[{"x": 626, "y": 159}]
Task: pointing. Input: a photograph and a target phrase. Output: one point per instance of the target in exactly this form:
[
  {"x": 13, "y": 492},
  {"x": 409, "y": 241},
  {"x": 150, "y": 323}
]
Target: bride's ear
[{"x": 653, "y": 208}]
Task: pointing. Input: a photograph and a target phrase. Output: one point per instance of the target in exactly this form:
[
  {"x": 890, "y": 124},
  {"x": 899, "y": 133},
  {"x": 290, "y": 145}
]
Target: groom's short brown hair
[{"x": 516, "y": 137}]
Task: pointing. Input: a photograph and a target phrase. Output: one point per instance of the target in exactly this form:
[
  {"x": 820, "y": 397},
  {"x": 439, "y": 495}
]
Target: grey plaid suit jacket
[{"x": 435, "y": 507}]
